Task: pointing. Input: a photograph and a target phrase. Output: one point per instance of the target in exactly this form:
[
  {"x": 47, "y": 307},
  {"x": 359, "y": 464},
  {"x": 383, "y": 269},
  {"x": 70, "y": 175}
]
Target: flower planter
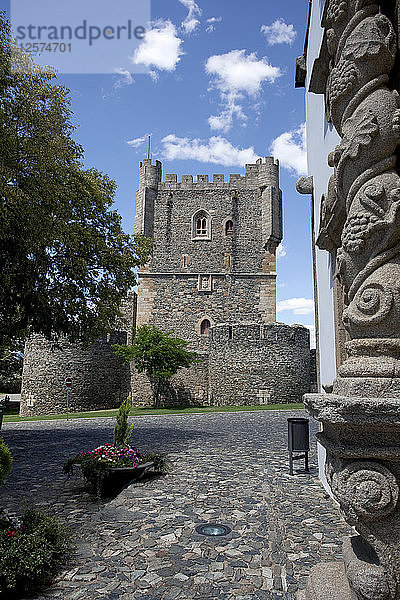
[
  {"x": 121, "y": 477},
  {"x": 132, "y": 473}
]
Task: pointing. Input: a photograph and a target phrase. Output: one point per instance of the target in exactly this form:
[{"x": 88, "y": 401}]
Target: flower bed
[
  {"x": 31, "y": 548},
  {"x": 99, "y": 464},
  {"x": 110, "y": 454},
  {"x": 118, "y": 459}
]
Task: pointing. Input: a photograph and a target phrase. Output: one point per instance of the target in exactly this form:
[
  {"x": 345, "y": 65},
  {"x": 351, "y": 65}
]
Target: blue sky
[{"x": 218, "y": 92}]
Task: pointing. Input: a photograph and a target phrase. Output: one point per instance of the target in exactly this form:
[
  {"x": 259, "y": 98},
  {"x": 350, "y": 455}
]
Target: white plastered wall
[{"x": 321, "y": 138}]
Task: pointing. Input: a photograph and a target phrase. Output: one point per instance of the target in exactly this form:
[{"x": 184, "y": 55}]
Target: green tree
[
  {"x": 66, "y": 262},
  {"x": 122, "y": 430},
  {"x": 11, "y": 370},
  {"x": 160, "y": 355}
]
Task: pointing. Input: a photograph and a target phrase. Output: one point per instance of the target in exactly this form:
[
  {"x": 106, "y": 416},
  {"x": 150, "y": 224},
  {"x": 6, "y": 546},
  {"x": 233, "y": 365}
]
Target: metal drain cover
[{"x": 213, "y": 529}]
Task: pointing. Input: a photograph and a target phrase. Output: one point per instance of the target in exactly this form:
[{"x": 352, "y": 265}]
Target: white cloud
[
  {"x": 135, "y": 143},
  {"x": 223, "y": 121},
  {"x": 211, "y": 23},
  {"x": 217, "y": 150},
  {"x": 191, "y": 22},
  {"x": 280, "y": 251},
  {"x": 299, "y": 306},
  {"x": 279, "y": 32},
  {"x": 311, "y": 328},
  {"x": 161, "y": 48},
  {"x": 125, "y": 79},
  {"x": 290, "y": 149},
  {"x": 236, "y": 72},
  {"x": 236, "y": 75}
]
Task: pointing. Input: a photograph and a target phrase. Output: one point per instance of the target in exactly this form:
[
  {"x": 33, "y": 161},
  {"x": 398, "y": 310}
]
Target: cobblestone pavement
[{"x": 229, "y": 468}]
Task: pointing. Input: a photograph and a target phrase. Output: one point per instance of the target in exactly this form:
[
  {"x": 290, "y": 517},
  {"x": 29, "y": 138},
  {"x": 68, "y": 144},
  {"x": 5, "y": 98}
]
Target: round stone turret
[
  {"x": 149, "y": 174},
  {"x": 100, "y": 379}
]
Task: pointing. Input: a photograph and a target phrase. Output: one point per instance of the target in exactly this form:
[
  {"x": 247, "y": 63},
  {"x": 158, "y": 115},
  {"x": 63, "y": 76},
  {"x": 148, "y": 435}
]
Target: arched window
[
  {"x": 229, "y": 227},
  {"x": 205, "y": 327},
  {"x": 201, "y": 225}
]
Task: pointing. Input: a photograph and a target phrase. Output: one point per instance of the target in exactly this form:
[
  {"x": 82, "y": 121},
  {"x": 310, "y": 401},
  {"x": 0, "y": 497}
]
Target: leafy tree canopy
[
  {"x": 158, "y": 354},
  {"x": 66, "y": 263}
]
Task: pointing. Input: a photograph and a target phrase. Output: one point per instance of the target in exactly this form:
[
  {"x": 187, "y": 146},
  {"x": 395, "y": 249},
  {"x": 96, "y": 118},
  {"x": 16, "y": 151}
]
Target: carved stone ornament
[
  {"x": 365, "y": 490},
  {"x": 360, "y": 226}
]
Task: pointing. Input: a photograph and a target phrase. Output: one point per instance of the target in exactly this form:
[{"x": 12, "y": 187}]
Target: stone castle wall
[
  {"x": 100, "y": 380},
  {"x": 247, "y": 364},
  {"x": 175, "y": 303},
  {"x": 251, "y": 363}
]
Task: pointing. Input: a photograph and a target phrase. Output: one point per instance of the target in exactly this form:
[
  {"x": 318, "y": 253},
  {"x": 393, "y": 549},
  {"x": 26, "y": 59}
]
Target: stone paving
[{"x": 230, "y": 468}]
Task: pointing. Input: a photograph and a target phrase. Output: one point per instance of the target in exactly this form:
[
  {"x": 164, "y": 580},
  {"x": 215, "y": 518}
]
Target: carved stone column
[{"x": 360, "y": 223}]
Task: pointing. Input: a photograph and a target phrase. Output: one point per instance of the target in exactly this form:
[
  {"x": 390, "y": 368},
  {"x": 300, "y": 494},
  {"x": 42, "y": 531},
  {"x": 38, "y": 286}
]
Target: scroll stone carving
[
  {"x": 366, "y": 490},
  {"x": 360, "y": 225}
]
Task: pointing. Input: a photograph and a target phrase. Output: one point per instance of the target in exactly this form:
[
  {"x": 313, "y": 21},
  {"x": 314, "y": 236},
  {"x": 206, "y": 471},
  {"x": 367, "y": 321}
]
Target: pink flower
[{"x": 11, "y": 532}]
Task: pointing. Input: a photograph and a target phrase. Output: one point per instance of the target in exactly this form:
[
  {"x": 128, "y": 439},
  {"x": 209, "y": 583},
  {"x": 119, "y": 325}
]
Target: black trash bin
[{"x": 298, "y": 441}]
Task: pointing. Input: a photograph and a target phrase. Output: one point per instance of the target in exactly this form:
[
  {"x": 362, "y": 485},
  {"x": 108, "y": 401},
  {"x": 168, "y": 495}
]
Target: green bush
[
  {"x": 5, "y": 460},
  {"x": 122, "y": 430},
  {"x": 160, "y": 460},
  {"x": 31, "y": 548}
]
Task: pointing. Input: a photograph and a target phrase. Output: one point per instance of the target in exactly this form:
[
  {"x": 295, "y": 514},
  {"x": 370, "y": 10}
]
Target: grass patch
[{"x": 159, "y": 411}]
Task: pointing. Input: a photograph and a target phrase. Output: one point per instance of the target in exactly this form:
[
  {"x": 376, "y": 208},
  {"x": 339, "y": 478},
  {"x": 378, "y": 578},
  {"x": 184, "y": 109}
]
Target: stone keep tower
[
  {"x": 212, "y": 281},
  {"x": 213, "y": 259},
  {"x": 214, "y": 248}
]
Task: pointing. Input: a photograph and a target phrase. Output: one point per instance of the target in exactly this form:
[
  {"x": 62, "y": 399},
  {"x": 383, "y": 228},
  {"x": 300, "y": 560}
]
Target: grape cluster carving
[
  {"x": 337, "y": 10},
  {"x": 342, "y": 79},
  {"x": 356, "y": 229}
]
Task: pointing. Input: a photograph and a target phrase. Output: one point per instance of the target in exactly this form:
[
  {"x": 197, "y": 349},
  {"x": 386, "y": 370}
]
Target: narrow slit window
[
  {"x": 229, "y": 228},
  {"x": 185, "y": 260}
]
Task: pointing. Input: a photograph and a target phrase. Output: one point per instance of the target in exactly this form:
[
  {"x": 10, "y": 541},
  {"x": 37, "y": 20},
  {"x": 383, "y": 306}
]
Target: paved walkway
[{"x": 229, "y": 468}]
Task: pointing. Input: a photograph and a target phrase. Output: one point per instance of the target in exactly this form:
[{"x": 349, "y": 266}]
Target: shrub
[
  {"x": 161, "y": 463},
  {"x": 5, "y": 460},
  {"x": 158, "y": 354},
  {"x": 31, "y": 548},
  {"x": 96, "y": 464},
  {"x": 122, "y": 430}
]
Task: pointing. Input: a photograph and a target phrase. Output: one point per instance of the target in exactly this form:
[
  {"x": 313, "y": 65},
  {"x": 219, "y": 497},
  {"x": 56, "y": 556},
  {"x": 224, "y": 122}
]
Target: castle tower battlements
[
  {"x": 262, "y": 173},
  {"x": 214, "y": 248}
]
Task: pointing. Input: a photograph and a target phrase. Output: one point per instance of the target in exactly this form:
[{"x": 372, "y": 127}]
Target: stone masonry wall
[
  {"x": 258, "y": 364},
  {"x": 176, "y": 304},
  {"x": 189, "y": 387},
  {"x": 100, "y": 380}
]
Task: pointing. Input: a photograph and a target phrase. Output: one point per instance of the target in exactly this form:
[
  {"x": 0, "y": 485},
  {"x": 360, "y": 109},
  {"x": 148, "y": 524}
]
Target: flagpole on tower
[{"x": 148, "y": 151}]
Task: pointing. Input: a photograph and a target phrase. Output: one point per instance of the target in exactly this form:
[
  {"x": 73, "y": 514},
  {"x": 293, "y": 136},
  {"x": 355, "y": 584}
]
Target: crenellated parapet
[
  {"x": 260, "y": 178},
  {"x": 262, "y": 173}
]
